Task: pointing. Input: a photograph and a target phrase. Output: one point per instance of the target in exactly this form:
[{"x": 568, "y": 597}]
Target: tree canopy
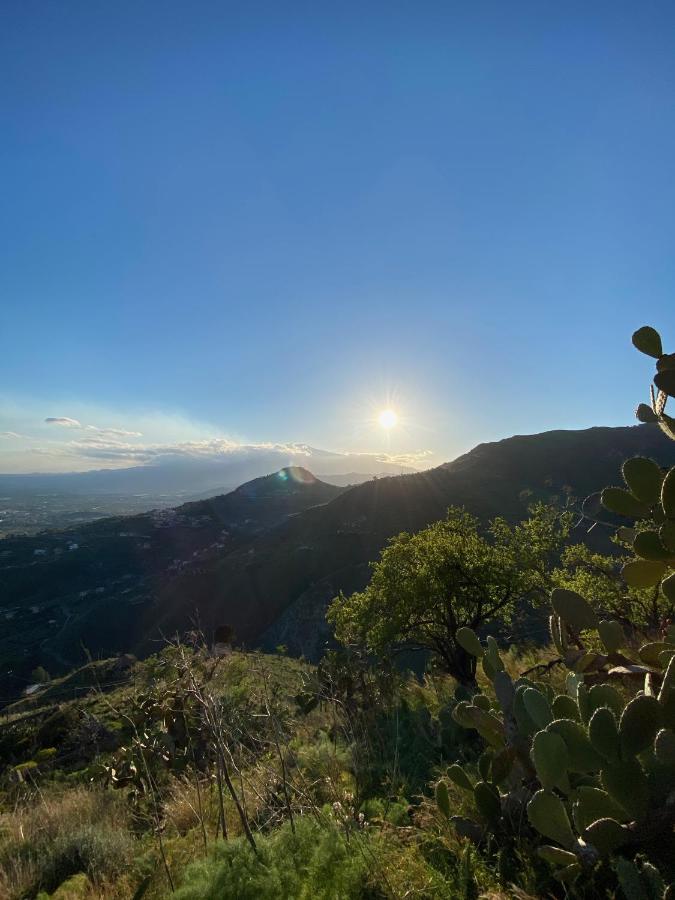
[
  {"x": 428, "y": 585},
  {"x": 598, "y": 578}
]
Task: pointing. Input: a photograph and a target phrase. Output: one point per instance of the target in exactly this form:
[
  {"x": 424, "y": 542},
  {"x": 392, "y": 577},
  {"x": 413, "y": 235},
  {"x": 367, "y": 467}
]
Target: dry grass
[
  {"x": 44, "y": 825},
  {"x": 45, "y": 815},
  {"x": 185, "y": 805}
]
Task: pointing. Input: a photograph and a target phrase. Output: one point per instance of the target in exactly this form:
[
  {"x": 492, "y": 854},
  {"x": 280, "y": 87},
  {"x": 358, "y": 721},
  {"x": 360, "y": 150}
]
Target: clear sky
[{"x": 269, "y": 221}]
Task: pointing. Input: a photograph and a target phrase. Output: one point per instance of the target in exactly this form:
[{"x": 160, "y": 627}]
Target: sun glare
[{"x": 387, "y": 418}]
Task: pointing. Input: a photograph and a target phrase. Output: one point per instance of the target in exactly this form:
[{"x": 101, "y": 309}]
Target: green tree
[
  {"x": 599, "y": 578},
  {"x": 426, "y": 586}
]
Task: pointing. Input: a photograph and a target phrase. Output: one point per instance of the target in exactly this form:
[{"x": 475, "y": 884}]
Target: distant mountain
[
  {"x": 349, "y": 479},
  {"x": 32, "y": 503},
  {"x": 268, "y": 557},
  {"x": 266, "y": 500},
  {"x": 196, "y": 473}
]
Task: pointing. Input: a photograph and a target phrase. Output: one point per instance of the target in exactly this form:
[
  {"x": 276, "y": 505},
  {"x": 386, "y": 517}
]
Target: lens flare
[{"x": 387, "y": 418}]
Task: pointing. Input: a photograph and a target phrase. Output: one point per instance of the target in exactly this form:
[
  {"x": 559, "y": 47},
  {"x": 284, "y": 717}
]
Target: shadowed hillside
[
  {"x": 268, "y": 557},
  {"x": 99, "y": 586},
  {"x": 276, "y": 588}
]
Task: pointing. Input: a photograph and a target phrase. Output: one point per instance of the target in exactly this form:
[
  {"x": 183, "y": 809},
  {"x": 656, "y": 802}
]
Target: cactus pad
[
  {"x": 665, "y": 381},
  {"x": 668, "y": 588},
  {"x": 573, "y": 609},
  {"x": 648, "y": 545},
  {"x": 555, "y": 856},
  {"x": 604, "y": 734},
  {"x": 547, "y": 814},
  {"x": 644, "y": 478},
  {"x": 611, "y": 634},
  {"x": 583, "y": 756},
  {"x": 664, "y": 747},
  {"x": 564, "y": 707},
  {"x": 626, "y": 783},
  {"x": 492, "y": 653},
  {"x": 443, "y": 799},
  {"x": 650, "y": 654},
  {"x": 667, "y": 534},
  {"x": 468, "y": 640},
  {"x": 643, "y": 573},
  {"x": 487, "y": 801},
  {"x": 639, "y": 723},
  {"x": 606, "y": 835},
  {"x": 647, "y": 340},
  {"x": 668, "y": 683},
  {"x": 504, "y": 691},
  {"x": 605, "y": 695},
  {"x": 668, "y": 494},
  {"x": 623, "y": 503},
  {"x": 538, "y": 707},
  {"x": 593, "y": 803},
  {"x": 457, "y": 775},
  {"x": 551, "y": 760},
  {"x": 645, "y": 413}
]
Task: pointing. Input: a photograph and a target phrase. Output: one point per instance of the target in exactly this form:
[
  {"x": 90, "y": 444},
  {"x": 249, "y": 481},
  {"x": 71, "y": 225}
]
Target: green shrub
[
  {"x": 314, "y": 864},
  {"x": 77, "y": 887},
  {"x": 42, "y": 844},
  {"x": 323, "y": 759},
  {"x": 97, "y": 851}
]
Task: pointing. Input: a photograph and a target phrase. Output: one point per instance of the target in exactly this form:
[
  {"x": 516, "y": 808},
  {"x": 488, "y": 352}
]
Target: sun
[{"x": 387, "y": 419}]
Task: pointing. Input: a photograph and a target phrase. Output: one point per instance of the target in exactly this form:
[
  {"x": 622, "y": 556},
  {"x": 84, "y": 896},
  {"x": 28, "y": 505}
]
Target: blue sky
[{"x": 265, "y": 222}]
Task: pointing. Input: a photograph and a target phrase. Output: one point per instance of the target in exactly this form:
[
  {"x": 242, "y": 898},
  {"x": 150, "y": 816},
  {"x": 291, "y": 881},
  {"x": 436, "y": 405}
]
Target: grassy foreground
[{"x": 109, "y": 791}]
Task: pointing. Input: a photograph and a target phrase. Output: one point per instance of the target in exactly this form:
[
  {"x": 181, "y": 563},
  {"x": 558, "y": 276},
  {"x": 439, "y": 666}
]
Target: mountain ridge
[{"x": 269, "y": 569}]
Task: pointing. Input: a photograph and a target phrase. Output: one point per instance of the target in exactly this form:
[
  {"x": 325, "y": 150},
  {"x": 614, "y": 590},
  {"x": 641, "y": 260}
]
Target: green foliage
[
  {"x": 600, "y": 778},
  {"x": 98, "y": 851},
  {"x": 639, "y": 880},
  {"x": 588, "y": 783},
  {"x": 316, "y": 862},
  {"x": 77, "y": 887},
  {"x": 427, "y": 587},
  {"x": 600, "y": 578}
]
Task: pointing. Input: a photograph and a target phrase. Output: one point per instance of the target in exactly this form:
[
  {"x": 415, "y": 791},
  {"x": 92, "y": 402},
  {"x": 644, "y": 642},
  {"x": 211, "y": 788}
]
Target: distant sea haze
[{"x": 195, "y": 474}]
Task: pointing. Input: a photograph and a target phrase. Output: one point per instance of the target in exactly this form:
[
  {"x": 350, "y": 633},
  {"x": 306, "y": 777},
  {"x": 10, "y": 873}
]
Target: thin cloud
[
  {"x": 113, "y": 432},
  {"x": 63, "y": 421},
  {"x": 68, "y": 422},
  {"x": 402, "y": 459},
  {"x": 11, "y": 435}
]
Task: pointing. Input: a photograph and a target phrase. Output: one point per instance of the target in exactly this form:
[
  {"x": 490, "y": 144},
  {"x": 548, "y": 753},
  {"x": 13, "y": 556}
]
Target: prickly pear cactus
[
  {"x": 647, "y": 340},
  {"x": 593, "y": 769}
]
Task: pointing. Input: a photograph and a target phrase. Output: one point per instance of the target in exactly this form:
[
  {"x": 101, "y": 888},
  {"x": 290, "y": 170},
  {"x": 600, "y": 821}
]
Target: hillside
[
  {"x": 290, "y": 545},
  {"x": 97, "y": 587},
  {"x": 500, "y": 478}
]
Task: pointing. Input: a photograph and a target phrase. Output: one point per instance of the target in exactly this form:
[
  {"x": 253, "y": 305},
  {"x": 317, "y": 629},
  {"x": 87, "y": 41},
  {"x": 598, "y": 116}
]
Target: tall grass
[{"x": 50, "y": 836}]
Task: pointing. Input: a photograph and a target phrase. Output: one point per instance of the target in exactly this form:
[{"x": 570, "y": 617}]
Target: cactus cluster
[
  {"x": 647, "y": 340},
  {"x": 592, "y": 768},
  {"x": 649, "y": 499}
]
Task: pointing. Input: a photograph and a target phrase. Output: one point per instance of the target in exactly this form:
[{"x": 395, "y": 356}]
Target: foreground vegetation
[{"x": 500, "y": 771}]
